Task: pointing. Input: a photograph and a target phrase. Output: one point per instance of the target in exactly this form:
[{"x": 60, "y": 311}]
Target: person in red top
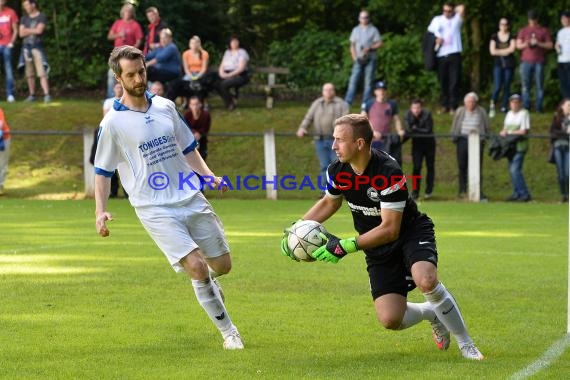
[
  {"x": 124, "y": 31},
  {"x": 8, "y": 34},
  {"x": 534, "y": 41},
  {"x": 156, "y": 24},
  {"x": 4, "y": 149},
  {"x": 199, "y": 121}
]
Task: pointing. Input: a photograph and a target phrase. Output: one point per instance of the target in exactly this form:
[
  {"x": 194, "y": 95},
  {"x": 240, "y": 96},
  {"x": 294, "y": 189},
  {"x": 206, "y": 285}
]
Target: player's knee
[
  {"x": 426, "y": 282},
  {"x": 222, "y": 264},
  {"x": 389, "y": 321},
  {"x": 224, "y": 269},
  {"x": 195, "y": 266}
]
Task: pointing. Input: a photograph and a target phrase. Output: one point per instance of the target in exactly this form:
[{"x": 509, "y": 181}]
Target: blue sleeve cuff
[
  {"x": 190, "y": 147},
  {"x": 104, "y": 172}
]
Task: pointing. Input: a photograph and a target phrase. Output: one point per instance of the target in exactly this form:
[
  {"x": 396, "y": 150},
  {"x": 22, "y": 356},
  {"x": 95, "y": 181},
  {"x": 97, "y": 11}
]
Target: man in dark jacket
[{"x": 419, "y": 126}]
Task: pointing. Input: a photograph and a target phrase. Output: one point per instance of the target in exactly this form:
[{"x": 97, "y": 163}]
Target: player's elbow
[{"x": 392, "y": 233}]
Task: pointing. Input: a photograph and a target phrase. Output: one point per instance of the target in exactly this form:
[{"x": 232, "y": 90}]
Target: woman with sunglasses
[{"x": 502, "y": 48}]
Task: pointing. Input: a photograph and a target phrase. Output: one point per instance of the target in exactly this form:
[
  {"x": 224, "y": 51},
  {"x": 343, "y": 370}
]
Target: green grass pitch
[{"x": 74, "y": 305}]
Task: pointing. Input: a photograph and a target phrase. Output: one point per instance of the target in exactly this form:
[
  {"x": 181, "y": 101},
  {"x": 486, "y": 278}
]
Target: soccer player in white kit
[{"x": 144, "y": 137}]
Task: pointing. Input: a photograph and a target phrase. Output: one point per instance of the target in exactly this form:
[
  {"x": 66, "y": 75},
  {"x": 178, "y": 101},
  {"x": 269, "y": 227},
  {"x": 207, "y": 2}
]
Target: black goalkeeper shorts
[{"x": 391, "y": 271}]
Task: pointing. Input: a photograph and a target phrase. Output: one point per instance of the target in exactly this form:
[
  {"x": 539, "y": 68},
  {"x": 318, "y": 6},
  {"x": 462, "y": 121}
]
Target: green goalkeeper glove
[
  {"x": 335, "y": 248},
  {"x": 285, "y": 250}
]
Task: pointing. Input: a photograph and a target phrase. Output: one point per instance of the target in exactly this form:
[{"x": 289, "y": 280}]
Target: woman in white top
[{"x": 233, "y": 72}]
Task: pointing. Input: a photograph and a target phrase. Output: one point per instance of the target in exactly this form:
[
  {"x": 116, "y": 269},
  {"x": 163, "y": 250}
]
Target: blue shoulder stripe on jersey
[
  {"x": 118, "y": 106},
  {"x": 103, "y": 172},
  {"x": 190, "y": 147}
]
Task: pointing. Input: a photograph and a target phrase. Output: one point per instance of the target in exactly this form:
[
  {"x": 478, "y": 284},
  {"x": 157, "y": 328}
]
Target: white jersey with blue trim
[{"x": 148, "y": 149}]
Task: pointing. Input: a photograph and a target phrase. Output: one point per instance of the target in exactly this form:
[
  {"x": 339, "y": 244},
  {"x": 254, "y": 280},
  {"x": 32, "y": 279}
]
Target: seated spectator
[
  {"x": 196, "y": 81},
  {"x": 163, "y": 63},
  {"x": 199, "y": 121},
  {"x": 470, "y": 117},
  {"x": 559, "y": 131},
  {"x": 232, "y": 72},
  {"x": 157, "y": 88}
]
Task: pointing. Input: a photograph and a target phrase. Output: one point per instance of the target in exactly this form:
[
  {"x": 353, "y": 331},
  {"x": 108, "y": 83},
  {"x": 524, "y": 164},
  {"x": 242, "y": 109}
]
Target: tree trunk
[{"x": 475, "y": 74}]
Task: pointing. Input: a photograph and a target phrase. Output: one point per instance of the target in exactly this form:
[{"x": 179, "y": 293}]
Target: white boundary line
[{"x": 553, "y": 353}]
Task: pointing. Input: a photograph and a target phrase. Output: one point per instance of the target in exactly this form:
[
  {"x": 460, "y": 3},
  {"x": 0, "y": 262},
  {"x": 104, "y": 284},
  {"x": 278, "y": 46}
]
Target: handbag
[{"x": 551, "y": 159}]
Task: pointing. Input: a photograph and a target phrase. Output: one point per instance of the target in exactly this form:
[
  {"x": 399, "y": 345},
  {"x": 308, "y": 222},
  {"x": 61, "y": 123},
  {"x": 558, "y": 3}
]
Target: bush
[
  {"x": 314, "y": 57},
  {"x": 400, "y": 63}
]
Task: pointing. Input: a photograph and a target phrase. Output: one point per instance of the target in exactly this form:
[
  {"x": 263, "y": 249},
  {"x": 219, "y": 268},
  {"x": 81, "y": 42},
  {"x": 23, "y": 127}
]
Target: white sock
[
  {"x": 447, "y": 311},
  {"x": 209, "y": 298},
  {"x": 415, "y": 313}
]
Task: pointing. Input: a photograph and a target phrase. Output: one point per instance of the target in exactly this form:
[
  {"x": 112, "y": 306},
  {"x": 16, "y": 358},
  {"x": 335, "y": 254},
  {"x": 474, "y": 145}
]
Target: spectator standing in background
[
  {"x": 502, "y": 47},
  {"x": 364, "y": 41},
  {"x": 517, "y": 122},
  {"x": 8, "y": 34},
  {"x": 470, "y": 117},
  {"x": 559, "y": 132},
  {"x": 124, "y": 31},
  {"x": 199, "y": 121},
  {"x": 4, "y": 150},
  {"x": 382, "y": 113},
  {"x": 107, "y": 105},
  {"x": 322, "y": 114},
  {"x": 447, "y": 30},
  {"x": 156, "y": 24},
  {"x": 419, "y": 123},
  {"x": 562, "y": 47},
  {"x": 32, "y": 29},
  {"x": 534, "y": 42}
]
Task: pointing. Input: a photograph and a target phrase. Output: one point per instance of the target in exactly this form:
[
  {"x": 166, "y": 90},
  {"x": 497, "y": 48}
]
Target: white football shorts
[{"x": 180, "y": 228}]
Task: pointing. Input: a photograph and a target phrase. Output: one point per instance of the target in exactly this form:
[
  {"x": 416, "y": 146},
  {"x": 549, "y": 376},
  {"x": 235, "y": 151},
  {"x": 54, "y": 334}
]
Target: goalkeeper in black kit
[{"x": 397, "y": 240}]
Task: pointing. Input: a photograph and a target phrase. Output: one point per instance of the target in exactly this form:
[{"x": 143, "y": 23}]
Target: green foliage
[
  {"x": 314, "y": 57},
  {"x": 400, "y": 63}
]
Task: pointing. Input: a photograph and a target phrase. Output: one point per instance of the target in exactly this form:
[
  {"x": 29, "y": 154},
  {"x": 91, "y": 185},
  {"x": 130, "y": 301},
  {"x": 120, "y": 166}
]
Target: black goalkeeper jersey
[{"x": 381, "y": 185}]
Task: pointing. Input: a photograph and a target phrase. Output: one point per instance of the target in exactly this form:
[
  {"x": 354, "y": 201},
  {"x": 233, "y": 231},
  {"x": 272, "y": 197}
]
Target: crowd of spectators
[{"x": 189, "y": 77}]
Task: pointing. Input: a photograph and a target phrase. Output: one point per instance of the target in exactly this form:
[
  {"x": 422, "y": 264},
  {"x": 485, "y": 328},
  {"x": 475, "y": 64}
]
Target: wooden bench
[{"x": 271, "y": 85}]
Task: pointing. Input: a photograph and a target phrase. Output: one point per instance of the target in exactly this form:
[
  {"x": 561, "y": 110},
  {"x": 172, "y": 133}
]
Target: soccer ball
[{"x": 304, "y": 238}]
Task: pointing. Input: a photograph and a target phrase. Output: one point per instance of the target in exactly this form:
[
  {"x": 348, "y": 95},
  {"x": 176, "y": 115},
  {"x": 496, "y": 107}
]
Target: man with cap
[
  {"x": 382, "y": 112},
  {"x": 534, "y": 42},
  {"x": 517, "y": 122},
  {"x": 562, "y": 47}
]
